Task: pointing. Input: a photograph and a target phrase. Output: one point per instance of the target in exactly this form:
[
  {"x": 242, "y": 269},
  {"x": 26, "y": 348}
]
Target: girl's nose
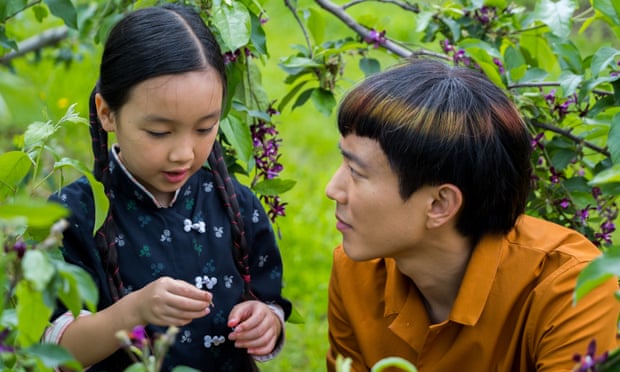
[{"x": 182, "y": 150}]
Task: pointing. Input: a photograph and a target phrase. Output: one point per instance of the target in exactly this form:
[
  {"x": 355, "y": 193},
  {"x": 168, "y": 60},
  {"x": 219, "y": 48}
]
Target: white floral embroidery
[
  {"x": 219, "y": 231},
  {"x": 198, "y": 226},
  {"x": 255, "y": 218},
  {"x": 228, "y": 279},
  {"x": 208, "y": 186},
  {"x": 205, "y": 281},
  {"x": 165, "y": 236},
  {"x": 119, "y": 240},
  {"x": 262, "y": 260},
  {"x": 186, "y": 337},
  {"x": 213, "y": 340},
  {"x": 188, "y": 191}
]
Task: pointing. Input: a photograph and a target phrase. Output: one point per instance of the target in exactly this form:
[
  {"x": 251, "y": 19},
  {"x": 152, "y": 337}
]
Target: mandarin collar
[{"x": 125, "y": 183}]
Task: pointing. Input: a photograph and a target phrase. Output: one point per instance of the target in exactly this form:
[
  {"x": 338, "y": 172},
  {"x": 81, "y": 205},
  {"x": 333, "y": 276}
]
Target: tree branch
[
  {"x": 397, "y": 49},
  {"x": 44, "y": 39},
  {"x": 404, "y": 5},
  {"x": 571, "y": 136}
]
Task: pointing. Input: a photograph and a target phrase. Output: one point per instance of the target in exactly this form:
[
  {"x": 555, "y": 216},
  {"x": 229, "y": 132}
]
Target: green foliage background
[{"x": 309, "y": 153}]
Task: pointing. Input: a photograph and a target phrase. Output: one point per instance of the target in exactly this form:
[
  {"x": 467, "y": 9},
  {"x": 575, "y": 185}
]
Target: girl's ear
[
  {"x": 105, "y": 115},
  {"x": 445, "y": 206}
]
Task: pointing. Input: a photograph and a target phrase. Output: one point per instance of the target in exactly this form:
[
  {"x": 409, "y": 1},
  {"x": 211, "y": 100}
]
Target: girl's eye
[
  {"x": 204, "y": 130},
  {"x": 156, "y": 134}
]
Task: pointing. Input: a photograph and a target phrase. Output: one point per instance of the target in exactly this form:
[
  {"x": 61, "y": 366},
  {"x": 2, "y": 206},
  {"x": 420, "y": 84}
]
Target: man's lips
[{"x": 341, "y": 225}]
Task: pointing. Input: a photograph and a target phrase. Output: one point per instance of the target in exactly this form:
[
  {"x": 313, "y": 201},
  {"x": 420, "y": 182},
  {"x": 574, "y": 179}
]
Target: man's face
[{"x": 371, "y": 215}]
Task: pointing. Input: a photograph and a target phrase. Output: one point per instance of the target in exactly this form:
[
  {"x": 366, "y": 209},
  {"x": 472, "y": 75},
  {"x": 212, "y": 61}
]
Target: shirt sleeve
[
  {"x": 265, "y": 260},
  {"x": 560, "y": 329},
  {"x": 342, "y": 341},
  {"x": 277, "y": 310}
]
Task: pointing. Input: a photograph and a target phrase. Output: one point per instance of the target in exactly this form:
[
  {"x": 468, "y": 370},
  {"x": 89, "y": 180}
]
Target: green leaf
[
  {"x": 40, "y": 12},
  {"x": 32, "y": 314},
  {"x": 102, "y": 203},
  {"x": 284, "y": 101},
  {"x": 394, "y": 362},
  {"x": 184, "y": 369},
  {"x": 258, "y": 37},
  {"x": 81, "y": 284},
  {"x": 5, "y": 42},
  {"x": 603, "y": 58},
  {"x": 316, "y": 25},
  {"x": 275, "y": 186},
  {"x": 294, "y": 65},
  {"x": 324, "y": 101},
  {"x": 295, "y": 317},
  {"x": 36, "y": 213},
  {"x": 569, "y": 82},
  {"x": 610, "y": 175},
  {"x": 556, "y": 15},
  {"x": 597, "y": 272},
  {"x": 37, "y": 134},
  {"x": 369, "y": 66},
  {"x": 37, "y": 268},
  {"x": 63, "y": 9},
  {"x": 569, "y": 55},
  {"x": 613, "y": 140},
  {"x": 234, "y": 24},
  {"x": 239, "y": 136},
  {"x": 52, "y": 356},
  {"x": 303, "y": 97},
  {"x": 14, "y": 166},
  {"x": 610, "y": 8}
]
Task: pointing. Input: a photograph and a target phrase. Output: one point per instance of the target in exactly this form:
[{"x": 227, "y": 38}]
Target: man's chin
[{"x": 354, "y": 252}]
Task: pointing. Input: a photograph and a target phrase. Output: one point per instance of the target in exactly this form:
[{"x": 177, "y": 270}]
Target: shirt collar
[
  {"x": 123, "y": 180},
  {"x": 475, "y": 288}
]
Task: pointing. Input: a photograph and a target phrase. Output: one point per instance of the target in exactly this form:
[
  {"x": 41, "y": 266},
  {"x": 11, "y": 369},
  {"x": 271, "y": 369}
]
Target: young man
[{"x": 438, "y": 265}]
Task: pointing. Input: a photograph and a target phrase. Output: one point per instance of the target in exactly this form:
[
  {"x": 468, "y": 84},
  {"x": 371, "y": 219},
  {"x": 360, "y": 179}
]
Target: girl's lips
[{"x": 175, "y": 177}]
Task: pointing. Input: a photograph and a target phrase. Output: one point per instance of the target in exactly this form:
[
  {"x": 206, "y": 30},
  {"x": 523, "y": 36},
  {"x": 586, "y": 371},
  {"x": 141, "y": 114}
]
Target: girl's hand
[
  {"x": 171, "y": 302},
  {"x": 255, "y": 327}
]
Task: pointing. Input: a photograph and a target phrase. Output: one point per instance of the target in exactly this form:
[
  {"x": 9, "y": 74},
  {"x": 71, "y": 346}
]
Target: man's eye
[{"x": 354, "y": 172}]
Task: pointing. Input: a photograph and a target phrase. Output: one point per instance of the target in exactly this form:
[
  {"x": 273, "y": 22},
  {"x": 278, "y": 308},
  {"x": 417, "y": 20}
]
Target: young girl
[{"x": 182, "y": 245}]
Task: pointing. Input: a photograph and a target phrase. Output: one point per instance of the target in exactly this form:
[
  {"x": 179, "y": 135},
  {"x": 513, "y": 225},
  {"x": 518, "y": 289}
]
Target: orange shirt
[{"x": 514, "y": 310}]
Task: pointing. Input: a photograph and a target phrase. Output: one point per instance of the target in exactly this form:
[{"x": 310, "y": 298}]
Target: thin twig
[
  {"x": 568, "y": 134},
  {"x": 404, "y": 5},
  {"x": 340, "y": 13},
  {"x": 42, "y": 40},
  {"x": 301, "y": 25}
]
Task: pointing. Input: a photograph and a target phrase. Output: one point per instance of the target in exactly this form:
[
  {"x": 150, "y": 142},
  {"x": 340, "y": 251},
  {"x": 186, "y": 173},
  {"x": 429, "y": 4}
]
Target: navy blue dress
[{"x": 191, "y": 240}]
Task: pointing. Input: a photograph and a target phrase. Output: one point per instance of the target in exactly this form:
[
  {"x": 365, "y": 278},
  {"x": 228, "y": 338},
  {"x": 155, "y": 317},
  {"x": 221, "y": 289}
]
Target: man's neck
[{"x": 437, "y": 270}]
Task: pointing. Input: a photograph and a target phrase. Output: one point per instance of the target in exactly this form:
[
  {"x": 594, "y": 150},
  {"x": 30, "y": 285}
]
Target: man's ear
[
  {"x": 446, "y": 205},
  {"x": 105, "y": 114}
]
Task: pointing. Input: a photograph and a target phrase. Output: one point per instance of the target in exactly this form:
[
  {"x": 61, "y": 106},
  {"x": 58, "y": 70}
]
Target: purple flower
[
  {"x": 564, "y": 203},
  {"x": 138, "y": 336},
  {"x": 537, "y": 141},
  {"x": 375, "y": 38},
  {"x": 499, "y": 64},
  {"x": 589, "y": 361}
]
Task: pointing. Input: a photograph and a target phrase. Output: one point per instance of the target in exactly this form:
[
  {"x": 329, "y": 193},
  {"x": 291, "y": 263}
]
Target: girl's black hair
[{"x": 147, "y": 43}]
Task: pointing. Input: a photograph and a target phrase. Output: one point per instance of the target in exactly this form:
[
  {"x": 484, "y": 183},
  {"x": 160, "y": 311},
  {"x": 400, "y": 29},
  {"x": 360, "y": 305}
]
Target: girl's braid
[
  {"x": 229, "y": 197},
  {"x": 105, "y": 236}
]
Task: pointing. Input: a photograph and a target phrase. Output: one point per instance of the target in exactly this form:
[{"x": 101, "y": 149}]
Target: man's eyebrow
[{"x": 352, "y": 157}]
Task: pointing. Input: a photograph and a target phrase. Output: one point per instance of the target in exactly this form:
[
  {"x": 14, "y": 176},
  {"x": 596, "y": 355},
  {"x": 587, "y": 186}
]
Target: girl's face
[{"x": 167, "y": 128}]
